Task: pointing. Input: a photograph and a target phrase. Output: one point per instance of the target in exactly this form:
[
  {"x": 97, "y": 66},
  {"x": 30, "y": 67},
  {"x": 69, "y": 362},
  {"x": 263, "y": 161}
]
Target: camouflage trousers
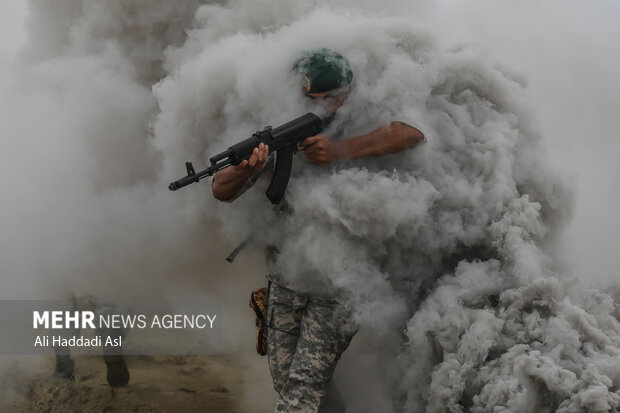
[{"x": 307, "y": 335}]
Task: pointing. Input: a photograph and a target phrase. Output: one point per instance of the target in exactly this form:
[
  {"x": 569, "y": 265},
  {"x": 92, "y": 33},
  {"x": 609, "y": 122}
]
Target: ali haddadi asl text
[{"x": 77, "y": 341}]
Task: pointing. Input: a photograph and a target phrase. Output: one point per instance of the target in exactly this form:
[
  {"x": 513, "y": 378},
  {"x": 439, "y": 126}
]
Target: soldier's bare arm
[
  {"x": 393, "y": 138},
  {"x": 228, "y": 182}
]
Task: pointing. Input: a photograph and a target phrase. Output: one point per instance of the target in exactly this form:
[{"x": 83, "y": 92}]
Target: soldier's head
[{"x": 325, "y": 77}]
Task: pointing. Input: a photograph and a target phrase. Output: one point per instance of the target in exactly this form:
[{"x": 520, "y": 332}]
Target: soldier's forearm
[
  {"x": 393, "y": 138},
  {"x": 228, "y": 182}
]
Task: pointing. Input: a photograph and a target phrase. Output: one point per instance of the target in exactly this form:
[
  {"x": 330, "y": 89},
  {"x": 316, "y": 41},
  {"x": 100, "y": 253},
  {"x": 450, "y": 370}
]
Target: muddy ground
[{"x": 214, "y": 384}]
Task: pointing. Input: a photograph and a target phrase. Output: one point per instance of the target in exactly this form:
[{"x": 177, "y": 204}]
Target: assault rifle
[{"x": 283, "y": 140}]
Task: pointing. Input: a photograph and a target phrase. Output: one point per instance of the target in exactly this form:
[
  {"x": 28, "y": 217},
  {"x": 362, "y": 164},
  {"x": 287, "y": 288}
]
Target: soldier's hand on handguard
[
  {"x": 321, "y": 150},
  {"x": 228, "y": 182},
  {"x": 256, "y": 161}
]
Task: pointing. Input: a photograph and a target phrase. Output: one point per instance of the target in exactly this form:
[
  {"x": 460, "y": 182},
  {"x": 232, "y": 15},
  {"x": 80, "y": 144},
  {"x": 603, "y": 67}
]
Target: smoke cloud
[{"x": 452, "y": 255}]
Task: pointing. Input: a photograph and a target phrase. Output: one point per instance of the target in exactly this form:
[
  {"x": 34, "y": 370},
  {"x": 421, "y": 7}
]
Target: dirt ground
[{"x": 211, "y": 384}]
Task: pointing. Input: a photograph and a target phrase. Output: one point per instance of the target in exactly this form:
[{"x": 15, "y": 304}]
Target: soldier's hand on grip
[{"x": 321, "y": 150}]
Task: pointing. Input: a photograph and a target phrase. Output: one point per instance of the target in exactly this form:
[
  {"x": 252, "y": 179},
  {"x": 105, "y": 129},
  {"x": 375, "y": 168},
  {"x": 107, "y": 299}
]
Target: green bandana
[{"x": 322, "y": 69}]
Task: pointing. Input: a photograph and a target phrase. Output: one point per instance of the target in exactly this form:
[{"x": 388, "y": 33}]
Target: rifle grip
[{"x": 282, "y": 173}]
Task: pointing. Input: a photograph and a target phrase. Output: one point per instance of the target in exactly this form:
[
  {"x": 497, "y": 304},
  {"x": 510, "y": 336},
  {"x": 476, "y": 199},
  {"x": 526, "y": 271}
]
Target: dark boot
[{"x": 118, "y": 374}]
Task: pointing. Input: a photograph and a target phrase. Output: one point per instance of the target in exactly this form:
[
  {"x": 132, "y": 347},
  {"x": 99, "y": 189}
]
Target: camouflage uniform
[{"x": 307, "y": 335}]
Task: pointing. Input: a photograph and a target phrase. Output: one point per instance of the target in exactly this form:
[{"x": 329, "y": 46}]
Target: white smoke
[
  {"x": 454, "y": 243},
  {"x": 80, "y": 175},
  {"x": 84, "y": 207}
]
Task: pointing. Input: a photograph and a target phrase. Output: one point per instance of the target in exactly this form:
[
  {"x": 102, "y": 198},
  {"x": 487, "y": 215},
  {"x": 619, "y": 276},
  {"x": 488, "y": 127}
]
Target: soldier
[
  {"x": 117, "y": 373},
  {"x": 308, "y": 331}
]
